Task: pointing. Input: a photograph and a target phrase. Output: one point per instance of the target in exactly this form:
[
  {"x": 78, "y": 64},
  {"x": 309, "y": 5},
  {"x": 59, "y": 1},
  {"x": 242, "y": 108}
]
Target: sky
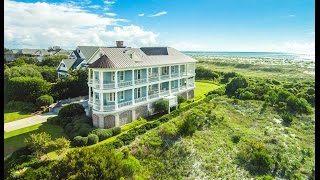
[{"x": 187, "y": 25}]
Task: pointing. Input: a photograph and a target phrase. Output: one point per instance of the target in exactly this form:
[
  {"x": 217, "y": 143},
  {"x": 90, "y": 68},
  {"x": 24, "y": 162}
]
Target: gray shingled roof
[
  {"x": 29, "y": 51},
  {"x": 68, "y": 63},
  {"x": 64, "y": 52},
  {"x": 121, "y": 59},
  {"x": 88, "y": 51}
]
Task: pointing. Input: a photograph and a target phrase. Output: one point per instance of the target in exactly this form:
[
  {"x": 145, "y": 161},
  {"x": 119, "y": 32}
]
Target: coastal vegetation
[{"x": 248, "y": 120}]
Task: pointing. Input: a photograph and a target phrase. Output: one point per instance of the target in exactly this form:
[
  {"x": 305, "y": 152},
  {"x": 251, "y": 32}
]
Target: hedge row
[{"x": 128, "y": 137}]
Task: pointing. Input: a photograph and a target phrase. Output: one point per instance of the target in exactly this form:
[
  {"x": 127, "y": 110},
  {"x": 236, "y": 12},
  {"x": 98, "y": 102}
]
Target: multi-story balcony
[
  {"x": 153, "y": 78},
  {"x": 166, "y": 76},
  {"x": 155, "y": 95},
  {"x": 140, "y": 81},
  {"x": 182, "y": 87},
  {"x": 141, "y": 99},
  {"x": 174, "y": 90},
  {"x": 124, "y": 104},
  {"x": 108, "y": 108},
  {"x": 174, "y": 75},
  {"x": 109, "y": 86},
  {"x": 164, "y": 92},
  {"x": 125, "y": 83}
]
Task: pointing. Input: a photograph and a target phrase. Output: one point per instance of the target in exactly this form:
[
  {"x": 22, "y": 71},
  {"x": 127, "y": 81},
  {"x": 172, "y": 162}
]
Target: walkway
[{"x": 22, "y": 123}]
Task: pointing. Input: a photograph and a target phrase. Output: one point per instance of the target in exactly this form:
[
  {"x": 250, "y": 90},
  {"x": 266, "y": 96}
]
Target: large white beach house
[{"x": 124, "y": 82}]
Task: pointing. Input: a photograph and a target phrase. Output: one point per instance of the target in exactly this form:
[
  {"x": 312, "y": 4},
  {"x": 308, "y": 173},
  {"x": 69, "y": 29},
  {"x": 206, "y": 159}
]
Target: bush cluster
[
  {"x": 44, "y": 100},
  {"x": 21, "y": 106}
]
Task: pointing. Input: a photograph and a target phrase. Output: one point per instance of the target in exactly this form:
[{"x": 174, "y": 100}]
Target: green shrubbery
[
  {"x": 103, "y": 133},
  {"x": 161, "y": 106},
  {"x": 21, "y": 106},
  {"x": 71, "y": 110},
  {"x": 204, "y": 73},
  {"x": 287, "y": 118},
  {"x": 79, "y": 141},
  {"x": 181, "y": 99},
  {"x": 92, "y": 139},
  {"x": 44, "y": 100},
  {"x": 235, "y": 84}
]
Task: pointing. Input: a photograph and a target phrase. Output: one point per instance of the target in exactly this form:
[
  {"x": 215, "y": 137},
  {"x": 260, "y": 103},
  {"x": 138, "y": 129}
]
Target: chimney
[{"x": 119, "y": 44}]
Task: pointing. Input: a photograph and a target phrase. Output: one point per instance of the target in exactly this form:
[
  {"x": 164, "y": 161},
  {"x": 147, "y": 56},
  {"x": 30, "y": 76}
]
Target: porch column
[
  {"x": 186, "y": 69},
  {"x": 101, "y": 80},
  {"x": 179, "y": 84},
  {"x": 159, "y": 88},
  {"x": 89, "y": 77},
  {"x": 101, "y": 101},
  {"x": 94, "y": 98},
  {"x": 159, "y": 69},
  {"x": 169, "y": 72},
  {"x": 170, "y": 87},
  {"x": 179, "y": 70},
  {"x": 90, "y": 98},
  {"x": 132, "y": 94},
  {"x": 147, "y": 90},
  {"x": 116, "y": 100},
  {"x": 116, "y": 79}
]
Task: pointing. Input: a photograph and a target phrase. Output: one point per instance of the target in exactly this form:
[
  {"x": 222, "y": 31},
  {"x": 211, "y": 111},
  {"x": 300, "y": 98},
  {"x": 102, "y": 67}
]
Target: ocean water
[{"x": 273, "y": 55}]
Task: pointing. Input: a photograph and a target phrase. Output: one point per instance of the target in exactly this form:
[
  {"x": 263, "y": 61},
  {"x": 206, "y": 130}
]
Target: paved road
[{"x": 14, "y": 125}]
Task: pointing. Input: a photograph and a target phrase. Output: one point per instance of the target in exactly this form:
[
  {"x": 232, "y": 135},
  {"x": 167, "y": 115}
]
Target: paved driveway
[{"x": 14, "y": 125}]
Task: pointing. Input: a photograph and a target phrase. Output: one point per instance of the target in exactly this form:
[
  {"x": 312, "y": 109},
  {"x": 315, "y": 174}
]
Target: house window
[
  {"x": 139, "y": 74},
  {"x": 173, "y": 69},
  {"x": 150, "y": 71},
  {"x": 121, "y": 94},
  {"x": 138, "y": 92},
  {"x": 97, "y": 96},
  {"x": 121, "y": 76},
  {"x": 112, "y": 76},
  {"x": 111, "y": 97}
]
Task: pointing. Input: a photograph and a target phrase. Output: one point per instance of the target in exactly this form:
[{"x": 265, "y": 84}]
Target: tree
[
  {"x": 26, "y": 88},
  {"x": 71, "y": 110},
  {"x": 161, "y": 106},
  {"x": 89, "y": 163},
  {"x": 44, "y": 100},
  {"x": 235, "y": 84},
  {"x": 39, "y": 143},
  {"x": 18, "y": 71},
  {"x": 48, "y": 73},
  {"x": 52, "y": 61},
  {"x": 204, "y": 73}
]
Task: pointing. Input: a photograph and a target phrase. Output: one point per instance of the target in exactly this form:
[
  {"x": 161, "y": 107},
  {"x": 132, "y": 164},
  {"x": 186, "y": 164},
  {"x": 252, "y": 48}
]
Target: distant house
[
  {"x": 77, "y": 59},
  {"x": 11, "y": 55},
  {"x": 64, "y": 52}
]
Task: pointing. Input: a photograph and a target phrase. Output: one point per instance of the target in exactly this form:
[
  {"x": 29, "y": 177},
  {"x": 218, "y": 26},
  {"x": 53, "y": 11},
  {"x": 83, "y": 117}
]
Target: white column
[
  {"x": 170, "y": 87},
  {"x": 159, "y": 69},
  {"x": 116, "y": 79},
  {"x": 169, "y": 72},
  {"x": 89, "y": 77},
  {"x": 90, "y": 94},
  {"x": 116, "y": 100},
  {"x": 179, "y": 70},
  {"x": 179, "y": 84},
  {"x": 159, "y": 89},
  {"x": 101, "y": 80},
  {"x": 186, "y": 69},
  {"x": 116, "y": 118},
  {"x": 101, "y": 101},
  {"x": 94, "y": 97},
  {"x": 132, "y": 77}
]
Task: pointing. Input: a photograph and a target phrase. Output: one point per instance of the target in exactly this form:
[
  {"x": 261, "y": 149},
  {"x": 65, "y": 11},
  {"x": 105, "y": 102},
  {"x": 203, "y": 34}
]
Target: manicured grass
[
  {"x": 13, "y": 116},
  {"x": 203, "y": 88},
  {"x": 15, "y": 139}
]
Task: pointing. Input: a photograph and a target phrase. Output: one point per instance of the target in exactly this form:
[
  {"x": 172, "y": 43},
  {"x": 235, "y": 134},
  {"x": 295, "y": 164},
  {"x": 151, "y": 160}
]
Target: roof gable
[{"x": 102, "y": 62}]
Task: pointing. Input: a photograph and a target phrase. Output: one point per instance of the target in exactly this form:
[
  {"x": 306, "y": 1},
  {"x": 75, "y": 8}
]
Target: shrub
[
  {"x": 235, "y": 139},
  {"x": 39, "y": 143},
  {"x": 262, "y": 162},
  {"x": 130, "y": 166},
  {"x": 220, "y": 91},
  {"x": 44, "y": 100},
  {"x": 92, "y": 139},
  {"x": 271, "y": 97},
  {"x": 21, "y": 106},
  {"x": 204, "y": 73},
  {"x": 53, "y": 120},
  {"x": 116, "y": 131},
  {"x": 117, "y": 143},
  {"x": 84, "y": 131},
  {"x": 26, "y": 89},
  {"x": 79, "y": 141},
  {"x": 235, "y": 84},
  {"x": 287, "y": 118},
  {"x": 60, "y": 144},
  {"x": 181, "y": 99},
  {"x": 267, "y": 177},
  {"x": 188, "y": 127},
  {"x": 161, "y": 106},
  {"x": 71, "y": 110},
  {"x": 245, "y": 95},
  {"x": 103, "y": 133}
]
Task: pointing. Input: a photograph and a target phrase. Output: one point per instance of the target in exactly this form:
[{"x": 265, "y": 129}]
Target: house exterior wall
[{"x": 179, "y": 81}]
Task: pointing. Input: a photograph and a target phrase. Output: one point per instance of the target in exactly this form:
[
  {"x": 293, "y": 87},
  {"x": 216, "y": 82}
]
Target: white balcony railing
[
  {"x": 140, "y": 81},
  {"x": 108, "y": 108},
  {"x": 164, "y": 92},
  {"x": 155, "y": 95},
  {"x": 90, "y": 81},
  {"x": 183, "y": 87},
  {"x": 109, "y": 86},
  {"x": 140, "y": 99},
  {"x": 182, "y": 74},
  {"x": 153, "y": 78},
  {"x": 175, "y": 75},
  {"x": 174, "y": 90},
  {"x": 123, "y": 104},
  {"x": 166, "y": 76},
  {"x": 125, "y": 83}
]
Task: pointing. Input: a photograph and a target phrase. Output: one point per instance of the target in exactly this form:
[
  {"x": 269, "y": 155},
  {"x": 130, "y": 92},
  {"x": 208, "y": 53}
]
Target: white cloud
[
  {"x": 292, "y": 15},
  {"x": 159, "y": 14},
  {"x": 68, "y": 26},
  {"x": 299, "y": 47},
  {"x": 94, "y": 7},
  {"x": 111, "y": 14},
  {"x": 142, "y": 14},
  {"x": 108, "y": 2}
]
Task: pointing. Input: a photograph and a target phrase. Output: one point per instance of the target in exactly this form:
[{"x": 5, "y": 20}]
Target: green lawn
[
  {"x": 202, "y": 88},
  {"x": 14, "y": 140},
  {"x": 13, "y": 116}
]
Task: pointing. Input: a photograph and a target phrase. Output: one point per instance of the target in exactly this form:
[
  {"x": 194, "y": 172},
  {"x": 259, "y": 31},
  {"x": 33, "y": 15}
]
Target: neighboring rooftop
[
  {"x": 151, "y": 51},
  {"x": 88, "y": 51}
]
